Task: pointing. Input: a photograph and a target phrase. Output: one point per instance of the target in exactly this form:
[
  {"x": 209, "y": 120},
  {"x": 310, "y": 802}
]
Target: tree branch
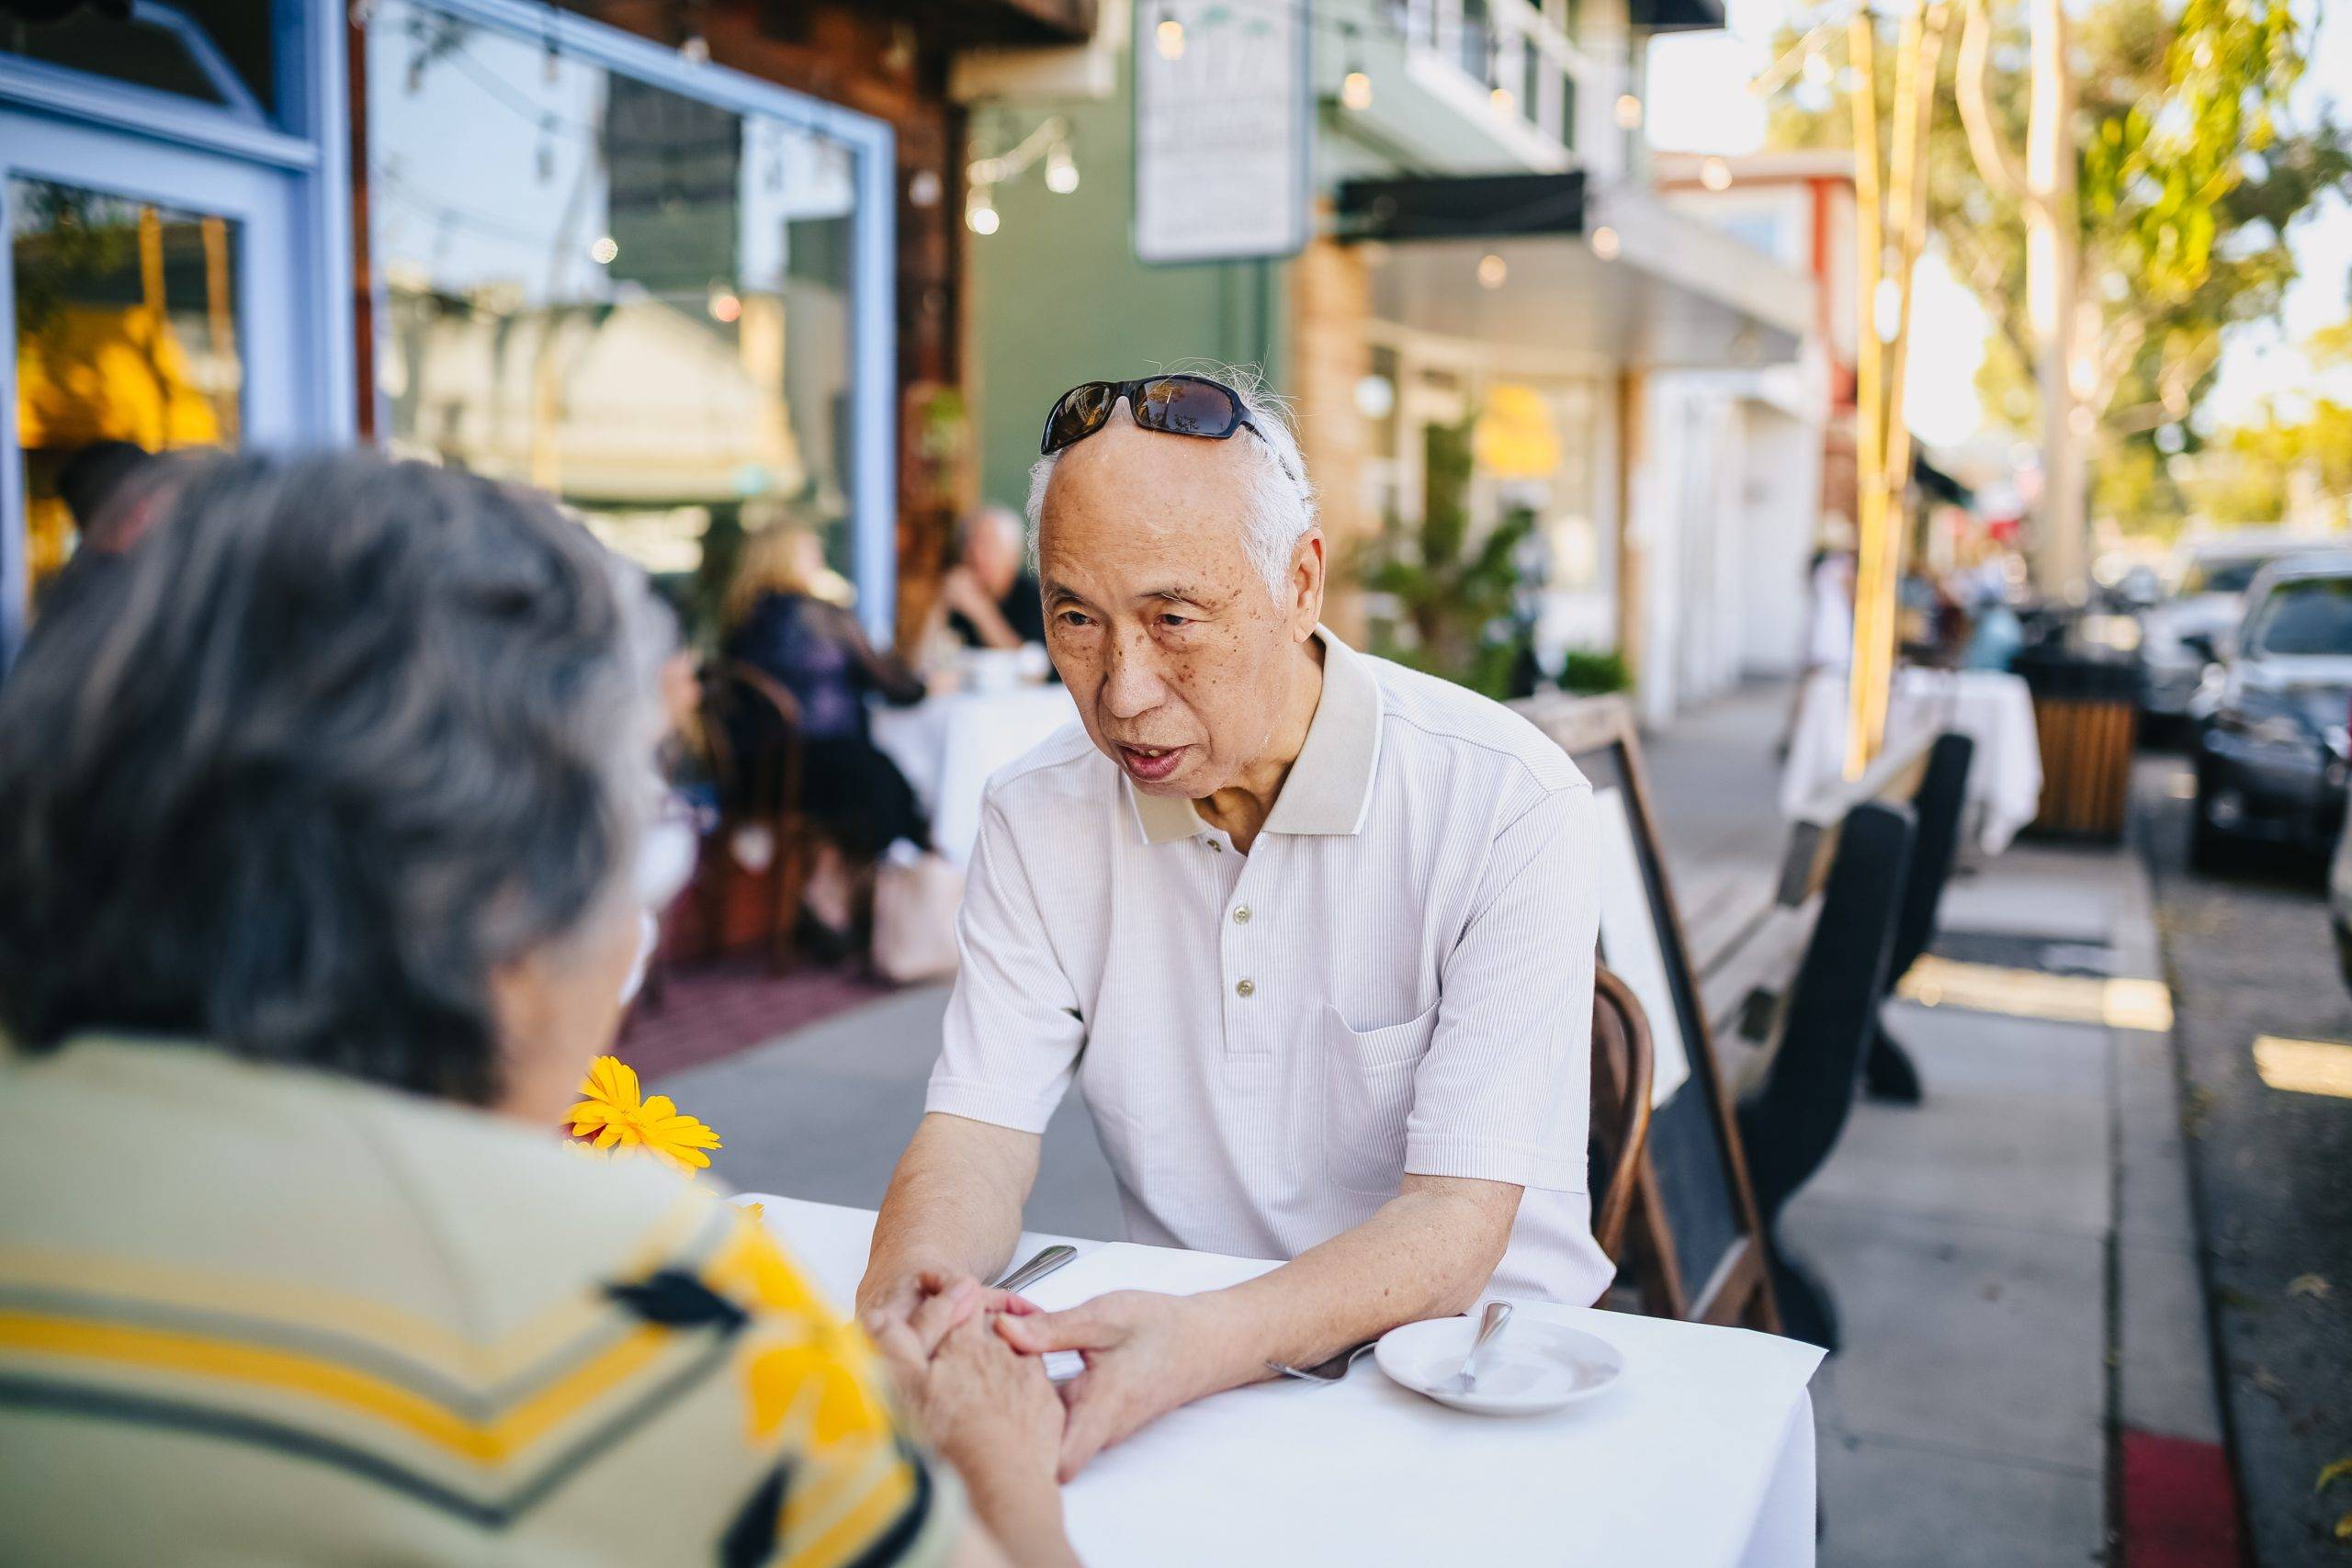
[{"x": 1995, "y": 160}]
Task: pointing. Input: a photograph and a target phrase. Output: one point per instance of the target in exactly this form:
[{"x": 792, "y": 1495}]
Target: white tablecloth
[
  {"x": 1705, "y": 1456},
  {"x": 1993, "y": 708},
  {"x": 947, "y": 747}
]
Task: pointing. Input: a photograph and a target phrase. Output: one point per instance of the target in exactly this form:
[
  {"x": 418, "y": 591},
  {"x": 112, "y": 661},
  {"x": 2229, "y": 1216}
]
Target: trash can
[{"x": 2086, "y": 712}]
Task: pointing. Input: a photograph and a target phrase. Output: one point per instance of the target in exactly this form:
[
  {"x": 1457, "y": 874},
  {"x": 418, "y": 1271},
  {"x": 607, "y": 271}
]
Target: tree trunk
[{"x": 2060, "y": 535}]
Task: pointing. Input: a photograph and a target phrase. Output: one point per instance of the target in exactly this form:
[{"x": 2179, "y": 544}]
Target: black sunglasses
[{"x": 1172, "y": 405}]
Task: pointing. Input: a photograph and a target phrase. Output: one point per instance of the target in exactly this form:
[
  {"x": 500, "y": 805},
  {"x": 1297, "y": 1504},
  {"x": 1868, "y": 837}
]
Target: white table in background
[
  {"x": 1702, "y": 1457},
  {"x": 948, "y": 746},
  {"x": 1991, "y": 707}
]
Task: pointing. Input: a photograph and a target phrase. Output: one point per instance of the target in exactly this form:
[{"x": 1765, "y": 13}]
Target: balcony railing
[{"x": 1521, "y": 57}]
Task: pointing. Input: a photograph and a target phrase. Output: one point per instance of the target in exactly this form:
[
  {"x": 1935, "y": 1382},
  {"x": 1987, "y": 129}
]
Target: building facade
[
  {"x": 1481, "y": 260},
  {"x": 689, "y": 267}
]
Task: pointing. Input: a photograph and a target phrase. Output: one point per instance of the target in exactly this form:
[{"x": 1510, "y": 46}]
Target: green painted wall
[{"x": 1059, "y": 297}]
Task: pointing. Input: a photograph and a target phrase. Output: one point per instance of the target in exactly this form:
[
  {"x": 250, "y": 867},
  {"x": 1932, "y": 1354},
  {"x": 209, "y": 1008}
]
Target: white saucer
[{"x": 1532, "y": 1368}]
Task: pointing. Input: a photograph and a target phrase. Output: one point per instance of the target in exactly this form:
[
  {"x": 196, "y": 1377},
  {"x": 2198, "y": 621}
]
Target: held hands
[
  {"x": 1146, "y": 1355},
  {"x": 988, "y": 1410}
]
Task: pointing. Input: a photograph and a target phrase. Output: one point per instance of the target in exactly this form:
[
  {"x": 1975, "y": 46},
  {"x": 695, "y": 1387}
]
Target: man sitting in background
[
  {"x": 990, "y": 601},
  {"x": 1313, "y": 934}
]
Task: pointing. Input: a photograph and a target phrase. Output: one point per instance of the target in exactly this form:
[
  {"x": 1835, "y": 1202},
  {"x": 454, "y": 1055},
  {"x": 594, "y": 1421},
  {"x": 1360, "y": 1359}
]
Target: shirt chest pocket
[{"x": 1367, "y": 1095}]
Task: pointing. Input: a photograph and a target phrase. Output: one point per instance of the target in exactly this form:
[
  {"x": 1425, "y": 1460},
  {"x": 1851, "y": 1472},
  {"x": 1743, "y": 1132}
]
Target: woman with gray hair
[{"x": 318, "y": 830}]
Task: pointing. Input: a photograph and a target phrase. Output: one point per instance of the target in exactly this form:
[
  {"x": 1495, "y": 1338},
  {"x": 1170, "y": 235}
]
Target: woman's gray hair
[
  {"x": 337, "y": 740},
  {"x": 1282, "y": 502}
]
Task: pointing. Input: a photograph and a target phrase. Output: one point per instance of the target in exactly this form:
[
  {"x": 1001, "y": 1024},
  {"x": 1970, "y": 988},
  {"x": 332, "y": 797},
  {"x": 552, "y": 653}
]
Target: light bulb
[
  {"x": 1492, "y": 271},
  {"x": 1061, "y": 170},
  {"x": 1629, "y": 112},
  {"x": 603, "y": 250},
  {"x": 1355, "y": 91},
  {"x": 979, "y": 212},
  {"x": 1169, "y": 36},
  {"x": 1715, "y": 174},
  {"x": 1501, "y": 98},
  {"x": 1604, "y": 242}
]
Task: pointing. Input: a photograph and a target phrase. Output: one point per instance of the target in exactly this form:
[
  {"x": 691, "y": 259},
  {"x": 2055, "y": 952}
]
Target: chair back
[
  {"x": 1791, "y": 1119},
  {"x": 1942, "y": 798},
  {"x": 751, "y": 725},
  {"x": 1622, "y": 1069}
]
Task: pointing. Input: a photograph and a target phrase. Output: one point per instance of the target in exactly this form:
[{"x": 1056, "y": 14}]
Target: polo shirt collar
[{"x": 1330, "y": 786}]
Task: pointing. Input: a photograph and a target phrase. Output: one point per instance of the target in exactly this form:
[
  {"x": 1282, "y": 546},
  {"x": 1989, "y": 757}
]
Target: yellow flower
[{"x": 614, "y": 1118}]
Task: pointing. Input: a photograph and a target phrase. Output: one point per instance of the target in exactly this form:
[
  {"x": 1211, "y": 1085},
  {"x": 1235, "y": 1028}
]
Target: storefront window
[
  {"x": 216, "y": 52},
  {"x": 127, "y": 337},
  {"x": 634, "y": 299}
]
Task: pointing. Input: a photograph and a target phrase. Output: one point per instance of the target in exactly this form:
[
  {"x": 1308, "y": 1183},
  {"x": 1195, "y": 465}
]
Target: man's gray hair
[{"x": 1282, "y": 502}]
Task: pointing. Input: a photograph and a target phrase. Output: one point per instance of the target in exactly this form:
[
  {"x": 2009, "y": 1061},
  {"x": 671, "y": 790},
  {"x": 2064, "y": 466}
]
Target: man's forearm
[
  {"x": 953, "y": 1204},
  {"x": 1428, "y": 1252}
]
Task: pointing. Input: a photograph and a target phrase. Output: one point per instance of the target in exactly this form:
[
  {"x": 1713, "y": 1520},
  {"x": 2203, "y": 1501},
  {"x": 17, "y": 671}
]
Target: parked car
[
  {"x": 2339, "y": 903},
  {"x": 2178, "y": 636},
  {"x": 2270, "y": 746}
]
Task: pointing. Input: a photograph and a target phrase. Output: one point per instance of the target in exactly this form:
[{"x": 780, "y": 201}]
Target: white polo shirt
[{"x": 1396, "y": 978}]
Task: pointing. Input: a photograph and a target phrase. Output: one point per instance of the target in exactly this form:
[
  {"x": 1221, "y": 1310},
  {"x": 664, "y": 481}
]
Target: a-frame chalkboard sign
[{"x": 1694, "y": 1247}]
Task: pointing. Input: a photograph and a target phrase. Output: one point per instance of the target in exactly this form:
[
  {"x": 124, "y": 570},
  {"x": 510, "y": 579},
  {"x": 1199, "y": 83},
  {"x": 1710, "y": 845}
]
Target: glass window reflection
[{"x": 633, "y": 298}]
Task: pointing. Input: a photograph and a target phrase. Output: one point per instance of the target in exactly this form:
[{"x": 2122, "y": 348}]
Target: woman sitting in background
[
  {"x": 318, "y": 823},
  {"x": 815, "y": 649}
]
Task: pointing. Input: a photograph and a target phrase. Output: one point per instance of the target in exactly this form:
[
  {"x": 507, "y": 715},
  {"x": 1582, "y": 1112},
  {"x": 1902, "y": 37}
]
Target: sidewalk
[{"x": 2026, "y": 1364}]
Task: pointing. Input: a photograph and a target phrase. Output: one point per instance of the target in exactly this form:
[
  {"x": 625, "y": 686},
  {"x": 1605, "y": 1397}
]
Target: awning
[
  {"x": 1672, "y": 293},
  {"x": 1676, "y": 15}
]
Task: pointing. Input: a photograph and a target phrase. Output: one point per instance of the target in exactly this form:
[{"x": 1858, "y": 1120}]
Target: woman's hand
[{"x": 988, "y": 1410}]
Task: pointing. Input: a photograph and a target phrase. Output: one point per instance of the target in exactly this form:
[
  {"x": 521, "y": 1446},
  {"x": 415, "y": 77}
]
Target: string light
[
  {"x": 1061, "y": 170},
  {"x": 979, "y": 212},
  {"x": 1604, "y": 242},
  {"x": 1501, "y": 98},
  {"x": 726, "y": 306},
  {"x": 603, "y": 250},
  {"x": 1629, "y": 112},
  {"x": 1168, "y": 35},
  {"x": 1715, "y": 174},
  {"x": 1356, "y": 87},
  {"x": 1492, "y": 271}
]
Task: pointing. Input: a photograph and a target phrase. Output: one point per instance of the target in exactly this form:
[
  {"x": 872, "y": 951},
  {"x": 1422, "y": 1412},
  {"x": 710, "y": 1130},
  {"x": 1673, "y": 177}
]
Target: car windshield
[
  {"x": 2310, "y": 615},
  {"x": 2221, "y": 574}
]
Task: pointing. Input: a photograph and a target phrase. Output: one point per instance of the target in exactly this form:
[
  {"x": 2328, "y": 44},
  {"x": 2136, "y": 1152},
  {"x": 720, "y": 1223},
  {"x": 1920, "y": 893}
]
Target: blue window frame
[{"x": 284, "y": 186}]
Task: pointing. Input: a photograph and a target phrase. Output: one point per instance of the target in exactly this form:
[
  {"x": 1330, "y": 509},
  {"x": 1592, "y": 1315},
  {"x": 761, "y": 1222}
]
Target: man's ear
[{"x": 1307, "y": 569}]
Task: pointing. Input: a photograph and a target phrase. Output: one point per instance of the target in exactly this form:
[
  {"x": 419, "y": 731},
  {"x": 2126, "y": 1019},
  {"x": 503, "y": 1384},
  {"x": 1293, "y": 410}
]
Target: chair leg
[
  {"x": 791, "y": 884},
  {"x": 1808, "y": 1311},
  {"x": 1889, "y": 1075}
]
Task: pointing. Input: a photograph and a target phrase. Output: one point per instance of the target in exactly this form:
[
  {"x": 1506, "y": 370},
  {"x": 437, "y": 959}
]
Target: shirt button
[
  {"x": 1246, "y": 989},
  {"x": 1241, "y": 916}
]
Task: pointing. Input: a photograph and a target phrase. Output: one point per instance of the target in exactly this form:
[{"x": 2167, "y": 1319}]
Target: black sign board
[
  {"x": 1461, "y": 207},
  {"x": 1695, "y": 1246}
]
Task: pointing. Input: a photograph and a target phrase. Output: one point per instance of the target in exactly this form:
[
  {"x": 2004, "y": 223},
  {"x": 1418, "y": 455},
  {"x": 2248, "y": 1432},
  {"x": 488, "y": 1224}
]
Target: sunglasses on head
[{"x": 1172, "y": 405}]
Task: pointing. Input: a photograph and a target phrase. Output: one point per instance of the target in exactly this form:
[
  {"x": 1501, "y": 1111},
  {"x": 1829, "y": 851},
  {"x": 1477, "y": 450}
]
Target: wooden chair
[
  {"x": 1622, "y": 1065},
  {"x": 759, "y": 790}
]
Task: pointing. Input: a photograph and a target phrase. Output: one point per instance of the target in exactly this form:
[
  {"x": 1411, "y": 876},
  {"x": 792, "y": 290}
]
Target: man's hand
[{"x": 1145, "y": 1354}]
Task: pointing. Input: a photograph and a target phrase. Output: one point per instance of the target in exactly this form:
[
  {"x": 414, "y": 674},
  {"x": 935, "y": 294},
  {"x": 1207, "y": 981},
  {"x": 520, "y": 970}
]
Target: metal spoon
[
  {"x": 1331, "y": 1371},
  {"x": 1489, "y": 1326},
  {"x": 1037, "y": 1268}
]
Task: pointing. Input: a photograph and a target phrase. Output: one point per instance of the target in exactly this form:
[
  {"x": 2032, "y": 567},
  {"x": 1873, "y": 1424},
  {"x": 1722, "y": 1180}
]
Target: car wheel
[{"x": 2209, "y": 844}]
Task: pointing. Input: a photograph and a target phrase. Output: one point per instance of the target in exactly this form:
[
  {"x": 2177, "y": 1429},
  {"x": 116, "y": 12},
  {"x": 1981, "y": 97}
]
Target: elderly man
[
  {"x": 990, "y": 600},
  {"x": 1313, "y": 932}
]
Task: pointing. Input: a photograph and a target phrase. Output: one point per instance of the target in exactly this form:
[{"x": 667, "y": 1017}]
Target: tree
[{"x": 2188, "y": 170}]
